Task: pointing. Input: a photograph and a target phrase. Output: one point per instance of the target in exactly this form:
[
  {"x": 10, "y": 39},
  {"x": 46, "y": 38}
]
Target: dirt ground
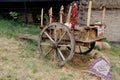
[{"x": 13, "y": 66}]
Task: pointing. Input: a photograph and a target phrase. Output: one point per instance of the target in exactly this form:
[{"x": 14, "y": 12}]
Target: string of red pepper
[{"x": 73, "y": 17}]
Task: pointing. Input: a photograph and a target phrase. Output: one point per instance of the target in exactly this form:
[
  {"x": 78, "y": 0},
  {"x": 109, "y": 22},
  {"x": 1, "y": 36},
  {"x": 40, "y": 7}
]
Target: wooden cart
[{"x": 59, "y": 43}]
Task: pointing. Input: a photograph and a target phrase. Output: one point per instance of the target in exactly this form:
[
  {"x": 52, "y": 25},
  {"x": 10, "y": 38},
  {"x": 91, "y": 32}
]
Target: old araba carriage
[{"x": 59, "y": 41}]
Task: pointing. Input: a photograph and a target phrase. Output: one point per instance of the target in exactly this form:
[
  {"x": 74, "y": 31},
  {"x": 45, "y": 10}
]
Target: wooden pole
[
  {"x": 50, "y": 19},
  {"x": 103, "y": 15},
  {"x": 89, "y": 13},
  {"x": 61, "y": 14},
  {"x": 68, "y": 16},
  {"x": 61, "y": 20},
  {"x": 50, "y": 14},
  {"x": 88, "y": 19},
  {"x": 42, "y": 17}
]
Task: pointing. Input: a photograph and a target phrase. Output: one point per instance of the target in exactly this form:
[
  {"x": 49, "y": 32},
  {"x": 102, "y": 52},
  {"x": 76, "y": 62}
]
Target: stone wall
[{"x": 112, "y": 21}]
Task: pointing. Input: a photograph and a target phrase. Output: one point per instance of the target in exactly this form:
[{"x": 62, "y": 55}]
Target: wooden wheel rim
[{"x": 72, "y": 41}]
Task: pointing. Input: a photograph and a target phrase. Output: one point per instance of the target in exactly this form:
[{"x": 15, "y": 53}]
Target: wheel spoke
[
  {"x": 63, "y": 58},
  {"x": 48, "y": 52},
  {"x": 55, "y": 55},
  {"x": 55, "y": 33},
  {"x": 49, "y": 37},
  {"x": 45, "y": 44},
  {"x": 62, "y": 36},
  {"x": 55, "y": 38},
  {"x": 80, "y": 49},
  {"x": 87, "y": 48},
  {"x": 64, "y": 46}
]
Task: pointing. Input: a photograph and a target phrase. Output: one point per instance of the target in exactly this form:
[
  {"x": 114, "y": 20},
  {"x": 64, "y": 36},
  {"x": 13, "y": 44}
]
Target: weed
[
  {"x": 32, "y": 65},
  {"x": 4, "y": 58},
  {"x": 115, "y": 67},
  {"x": 64, "y": 78},
  {"x": 28, "y": 49},
  {"x": 13, "y": 14}
]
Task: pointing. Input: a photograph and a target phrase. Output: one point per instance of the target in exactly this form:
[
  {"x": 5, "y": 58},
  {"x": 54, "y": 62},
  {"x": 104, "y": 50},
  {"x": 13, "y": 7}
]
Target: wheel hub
[{"x": 54, "y": 45}]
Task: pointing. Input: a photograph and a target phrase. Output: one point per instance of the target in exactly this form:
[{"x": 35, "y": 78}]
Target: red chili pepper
[{"x": 73, "y": 17}]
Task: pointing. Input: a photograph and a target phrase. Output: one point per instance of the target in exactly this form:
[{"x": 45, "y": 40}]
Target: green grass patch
[
  {"x": 116, "y": 68},
  {"x": 32, "y": 65},
  {"x": 14, "y": 28},
  {"x": 28, "y": 49},
  {"x": 114, "y": 51}
]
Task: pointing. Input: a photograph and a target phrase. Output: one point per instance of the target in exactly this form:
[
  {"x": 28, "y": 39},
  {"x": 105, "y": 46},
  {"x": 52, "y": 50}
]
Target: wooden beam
[
  {"x": 42, "y": 17},
  {"x": 89, "y": 13}
]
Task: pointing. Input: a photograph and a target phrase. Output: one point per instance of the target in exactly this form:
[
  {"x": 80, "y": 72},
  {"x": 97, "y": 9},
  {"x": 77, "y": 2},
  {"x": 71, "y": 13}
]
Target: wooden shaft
[
  {"x": 61, "y": 18},
  {"x": 103, "y": 15},
  {"x": 89, "y": 13},
  {"x": 50, "y": 14},
  {"x": 69, "y": 13},
  {"x": 61, "y": 14},
  {"x": 50, "y": 18},
  {"x": 42, "y": 17}
]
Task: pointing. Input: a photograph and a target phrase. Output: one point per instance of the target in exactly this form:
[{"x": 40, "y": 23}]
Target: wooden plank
[{"x": 28, "y": 37}]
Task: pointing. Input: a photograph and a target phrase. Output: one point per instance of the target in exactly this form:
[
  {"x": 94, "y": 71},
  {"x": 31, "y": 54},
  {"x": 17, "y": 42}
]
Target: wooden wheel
[
  {"x": 53, "y": 40},
  {"x": 86, "y": 48}
]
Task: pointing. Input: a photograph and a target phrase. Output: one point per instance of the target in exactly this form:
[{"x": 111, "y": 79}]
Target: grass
[
  {"x": 20, "y": 61},
  {"x": 11, "y": 28},
  {"x": 114, "y": 55},
  {"x": 19, "y": 58},
  {"x": 28, "y": 49},
  {"x": 114, "y": 51},
  {"x": 116, "y": 68}
]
